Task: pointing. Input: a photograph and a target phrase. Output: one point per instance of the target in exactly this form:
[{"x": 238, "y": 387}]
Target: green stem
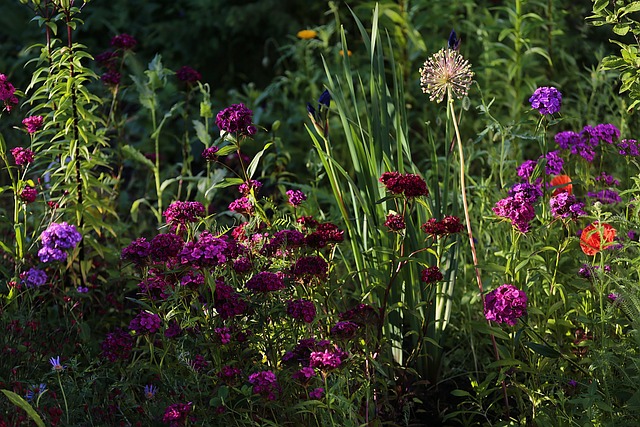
[{"x": 64, "y": 397}]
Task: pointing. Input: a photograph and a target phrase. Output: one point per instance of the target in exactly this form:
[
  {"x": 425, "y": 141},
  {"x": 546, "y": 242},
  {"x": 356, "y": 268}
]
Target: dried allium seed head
[{"x": 446, "y": 71}]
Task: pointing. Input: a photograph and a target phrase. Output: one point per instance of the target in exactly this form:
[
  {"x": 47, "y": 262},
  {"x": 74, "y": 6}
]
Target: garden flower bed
[{"x": 445, "y": 235}]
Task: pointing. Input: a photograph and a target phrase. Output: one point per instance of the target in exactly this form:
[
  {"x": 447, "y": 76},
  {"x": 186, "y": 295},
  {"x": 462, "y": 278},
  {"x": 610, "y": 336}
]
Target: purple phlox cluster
[
  {"x": 526, "y": 192},
  {"x": 180, "y": 213},
  {"x": 605, "y": 196},
  {"x": 296, "y": 197},
  {"x": 628, "y": 147},
  {"x": 223, "y": 334},
  {"x": 324, "y": 234},
  {"x": 57, "y": 238},
  {"x": 33, "y": 277},
  {"x": 192, "y": 281},
  {"x": 33, "y": 123},
  {"x": 7, "y": 93},
  {"x": 242, "y": 205},
  {"x": 515, "y": 209},
  {"x": 565, "y": 205},
  {"x": 165, "y": 246},
  {"x": 265, "y": 384},
  {"x": 157, "y": 286},
  {"x": 409, "y": 184},
  {"x": 210, "y": 154},
  {"x": 188, "y": 75},
  {"x": 227, "y": 302},
  {"x": 123, "y": 41},
  {"x": 547, "y": 100},
  {"x": 554, "y": 163},
  {"x": 362, "y": 314},
  {"x": 199, "y": 363},
  {"x": 608, "y": 180},
  {"x": 137, "y": 251},
  {"x": 344, "y": 330},
  {"x": 145, "y": 323},
  {"x": 117, "y": 345},
  {"x": 208, "y": 251},
  {"x": 613, "y": 297},
  {"x": 150, "y": 391},
  {"x": 585, "y": 142},
  {"x": 236, "y": 119},
  {"x": 307, "y": 267},
  {"x": 246, "y": 187},
  {"x": 395, "y": 222},
  {"x": 301, "y": 309},
  {"x": 22, "y": 156},
  {"x": 28, "y": 194},
  {"x": 281, "y": 240},
  {"x": 431, "y": 275},
  {"x": 525, "y": 170},
  {"x": 173, "y": 330},
  {"x": 607, "y": 133},
  {"x": 266, "y": 281},
  {"x": 506, "y": 304},
  {"x": 242, "y": 265},
  {"x": 304, "y": 374},
  {"x": 317, "y": 393},
  {"x": 327, "y": 359},
  {"x": 176, "y": 415},
  {"x": 229, "y": 373}
]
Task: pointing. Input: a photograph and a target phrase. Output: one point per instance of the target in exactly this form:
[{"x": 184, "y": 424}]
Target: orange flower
[
  {"x": 561, "y": 182},
  {"x": 342, "y": 52},
  {"x": 307, "y": 34},
  {"x": 591, "y": 240}
]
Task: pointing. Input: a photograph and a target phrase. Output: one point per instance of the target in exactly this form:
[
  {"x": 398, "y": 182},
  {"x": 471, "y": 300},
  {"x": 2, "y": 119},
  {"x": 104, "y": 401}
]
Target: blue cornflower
[
  {"x": 35, "y": 392},
  {"x": 56, "y": 365}
]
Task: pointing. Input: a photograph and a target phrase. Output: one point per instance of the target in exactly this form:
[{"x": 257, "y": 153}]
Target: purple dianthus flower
[
  {"x": 296, "y": 197},
  {"x": 33, "y": 123},
  {"x": 182, "y": 212},
  {"x": 266, "y": 281},
  {"x": 242, "y": 206},
  {"x": 33, "y": 278},
  {"x": 117, "y": 345},
  {"x": 236, "y": 119},
  {"x": 547, "y": 100},
  {"x": 265, "y": 384},
  {"x": 22, "y": 156},
  {"x": 554, "y": 163},
  {"x": 57, "y": 238},
  {"x": 145, "y": 323},
  {"x": 137, "y": 251},
  {"x": 517, "y": 211},
  {"x": 525, "y": 170},
  {"x": 123, "y": 41},
  {"x": 565, "y": 205},
  {"x": 344, "y": 330},
  {"x": 506, "y": 304},
  {"x": 605, "y": 196},
  {"x": 301, "y": 309},
  {"x": 188, "y": 75}
]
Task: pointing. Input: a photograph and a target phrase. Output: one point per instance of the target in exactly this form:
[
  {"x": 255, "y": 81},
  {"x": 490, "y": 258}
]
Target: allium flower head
[
  {"x": 506, "y": 304},
  {"x": 33, "y": 123},
  {"x": 446, "y": 72},
  {"x": 547, "y": 100}
]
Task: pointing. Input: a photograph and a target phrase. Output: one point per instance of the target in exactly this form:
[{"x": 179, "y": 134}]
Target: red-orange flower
[
  {"x": 591, "y": 241},
  {"x": 561, "y": 182}
]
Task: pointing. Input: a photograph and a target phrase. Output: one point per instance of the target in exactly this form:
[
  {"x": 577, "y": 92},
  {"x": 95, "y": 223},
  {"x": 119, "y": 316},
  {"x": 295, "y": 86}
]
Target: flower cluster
[
  {"x": 22, "y": 156},
  {"x": 329, "y": 358},
  {"x": 409, "y": 184},
  {"x": 123, "y": 41},
  {"x": 117, "y": 345},
  {"x": 176, "y": 415},
  {"x": 296, "y": 197},
  {"x": 227, "y": 302},
  {"x": 517, "y": 208},
  {"x": 324, "y": 234},
  {"x": 301, "y": 309},
  {"x": 431, "y": 275},
  {"x": 28, "y": 194},
  {"x": 33, "y": 278},
  {"x": 145, "y": 323},
  {"x": 56, "y": 239},
  {"x": 448, "y": 225},
  {"x": 188, "y": 75},
  {"x": 506, "y": 304},
  {"x": 265, "y": 384},
  {"x": 183, "y": 212},
  {"x": 242, "y": 205},
  {"x": 266, "y": 281},
  {"x": 246, "y": 187},
  {"x": 585, "y": 142},
  {"x": 395, "y": 222},
  {"x": 310, "y": 266},
  {"x": 565, "y": 205},
  {"x": 345, "y": 330},
  {"x": 7, "y": 93},
  {"x": 208, "y": 251},
  {"x": 547, "y": 100},
  {"x": 33, "y": 123},
  {"x": 209, "y": 154},
  {"x": 236, "y": 119}
]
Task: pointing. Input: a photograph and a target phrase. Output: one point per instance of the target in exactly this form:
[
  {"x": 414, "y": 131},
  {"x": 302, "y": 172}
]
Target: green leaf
[
  {"x": 254, "y": 162},
  {"x": 600, "y": 5},
  {"x": 20, "y": 402},
  {"x": 132, "y": 153},
  {"x": 543, "y": 350},
  {"x": 202, "y": 133}
]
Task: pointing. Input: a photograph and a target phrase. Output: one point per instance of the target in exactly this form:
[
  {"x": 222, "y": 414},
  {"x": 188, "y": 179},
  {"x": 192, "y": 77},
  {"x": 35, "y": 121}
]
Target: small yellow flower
[
  {"x": 342, "y": 52},
  {"x": 307, "y": 34}
]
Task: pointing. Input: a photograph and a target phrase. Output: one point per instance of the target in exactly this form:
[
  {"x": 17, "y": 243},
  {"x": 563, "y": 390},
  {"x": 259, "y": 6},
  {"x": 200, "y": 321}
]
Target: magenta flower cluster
[
  {"x": 209, "y": 154},
  {"x": 296, "y": 197},
  {"x": 328, "y": 359},
  {"x": 301, "y": 309},
  {"x": 22, "y": 156},
  {"x": 117, "y": 345},
  {"x": 176, "y": 415},
  {"x": 33, "y": 123},
  {"x": 57, "y": 239},
  {"x": 448, "y": 225},
  {"x": 7, "y": 93},
  {"x": 395, "y": 222},
  {"x": 123, "y": 41},
  {"x": 506, "y": 304},
  {"x": 409, "y": 184},
  {"x": 266, "y": 281},
  {"x": 265, "y": 384},
  {"x": 547, "y": 100},
  {"x": 585, "y": 142},
  {"x": 183, "y": 212},
  {"x": 236, "y": 119},
  {"x": 28, "y": 194},
  {"x": 145, "y": 323},
  {"x": 188, "y": 75},
  {"x": 431, "y": 275},
  {"x": 206, "y": 252},
  {"x": 310, "y": 266},
  {"x": 565, "y": 205}
]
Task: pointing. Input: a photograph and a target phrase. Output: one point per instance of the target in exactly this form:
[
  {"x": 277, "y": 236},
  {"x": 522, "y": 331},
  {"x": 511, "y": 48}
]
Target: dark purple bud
[
  {"x": 325, "y": 99},
  {"x": 454, "y": 41}
]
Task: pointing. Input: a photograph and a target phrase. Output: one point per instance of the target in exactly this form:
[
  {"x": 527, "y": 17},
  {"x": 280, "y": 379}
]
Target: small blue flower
[
  {"x": 56, "y": 365},
  {"x": 319, "y": 117},
  {"x": 150, "y": 391},
  {"x": 35, "y": 391}
]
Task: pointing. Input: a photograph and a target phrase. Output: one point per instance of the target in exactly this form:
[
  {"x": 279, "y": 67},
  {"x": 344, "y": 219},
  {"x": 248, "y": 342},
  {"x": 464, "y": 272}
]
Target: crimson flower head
[
  {"x": 33, "y": 123},
  {"x": 236, "y": 119},
  {"x": 188, "y": 75},
  {"x": 124, "y": 41},
  {"x": 22, "y": 156},
  {"x": 409, "y": 184},
  {"x": 7, "y": 93}
]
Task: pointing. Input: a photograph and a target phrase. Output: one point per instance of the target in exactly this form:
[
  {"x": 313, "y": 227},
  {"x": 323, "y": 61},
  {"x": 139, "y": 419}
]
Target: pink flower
[
  {"x": 22, "y": 156},
  {"x": 29, "y": 194},
  {"x": 33, "y": 123}
]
